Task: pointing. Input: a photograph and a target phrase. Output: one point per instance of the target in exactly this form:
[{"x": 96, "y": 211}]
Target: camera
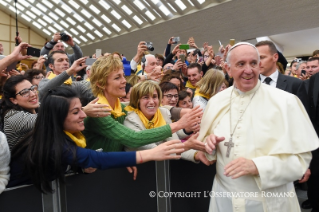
[
  {"x": 64, "y": 37},
  {"x": 176, "y": 40},
  {"x": 45, "y": 56},
  {"x": 149, "y": 46},
  {"x": 195, "y": 52}
]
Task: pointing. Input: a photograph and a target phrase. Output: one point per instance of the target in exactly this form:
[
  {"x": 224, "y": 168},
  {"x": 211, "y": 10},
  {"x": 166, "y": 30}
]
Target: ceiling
[{"x": 210, "y": 21}]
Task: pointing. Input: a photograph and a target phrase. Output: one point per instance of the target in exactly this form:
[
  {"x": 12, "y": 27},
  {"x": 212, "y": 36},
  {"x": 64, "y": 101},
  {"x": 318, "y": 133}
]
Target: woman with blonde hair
[
  {"x": 108, "y": 84},
  {"x": 207, "y": 87},
  {"x": 144, "y": 112}
]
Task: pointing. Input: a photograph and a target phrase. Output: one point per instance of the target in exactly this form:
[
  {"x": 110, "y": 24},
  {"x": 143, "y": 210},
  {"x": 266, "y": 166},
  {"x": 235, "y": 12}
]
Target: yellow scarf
[
  {"x": 157, "y": 121},
  {"x": 116, "y": 111},
  {"x": 88, "y": 79},
  {"x": 67, "y": 82},
  {"x": 78, "y": 138},
  {"x": 189, "y": 85},
  {"x": 200, "y": 94}
]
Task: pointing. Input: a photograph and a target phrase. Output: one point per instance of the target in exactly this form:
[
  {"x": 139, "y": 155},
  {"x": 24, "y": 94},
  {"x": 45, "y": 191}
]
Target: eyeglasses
[
  {"x": 168, "y": 67},
  {"x": 26, "y": 92},
  {"x": 38, "y": 77},
  {"x": 170, "y": 96}
]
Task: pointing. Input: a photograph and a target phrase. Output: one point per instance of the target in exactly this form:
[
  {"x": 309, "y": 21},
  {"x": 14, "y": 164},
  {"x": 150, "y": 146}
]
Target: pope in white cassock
[{"x": 263, "y": 139}]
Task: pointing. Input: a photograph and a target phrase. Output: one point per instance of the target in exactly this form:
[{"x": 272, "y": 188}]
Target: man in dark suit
[
  {"x": 313, "y": 182},
  {"x": 270, "y": 75}
]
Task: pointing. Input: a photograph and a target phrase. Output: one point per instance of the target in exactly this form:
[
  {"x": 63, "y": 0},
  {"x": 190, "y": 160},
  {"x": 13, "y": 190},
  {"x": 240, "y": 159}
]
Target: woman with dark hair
[
  {"x": 174, "y": 77},
  {"x": 57, "y": 142},
  {"x": 170, "y": 94},
  {"x": 184, "y": 100},
  {"x": 35, "y": 76},
  {"x": 19, "y": 104}
]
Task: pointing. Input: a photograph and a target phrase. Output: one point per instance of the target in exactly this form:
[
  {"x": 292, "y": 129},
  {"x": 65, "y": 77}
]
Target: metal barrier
[{"x": 115, "y": 190}]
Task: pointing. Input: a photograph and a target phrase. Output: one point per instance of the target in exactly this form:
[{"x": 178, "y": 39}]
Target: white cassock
[{"x": 275, "y": 132}]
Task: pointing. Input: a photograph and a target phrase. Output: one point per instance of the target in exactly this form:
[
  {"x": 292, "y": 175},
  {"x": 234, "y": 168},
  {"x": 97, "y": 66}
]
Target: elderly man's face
[
  {"x": 59, "y": 46},
  {"x": 301, "y": 67},
  {"x": 150, "y": 64},
  {"x": 244, "y": 67}
]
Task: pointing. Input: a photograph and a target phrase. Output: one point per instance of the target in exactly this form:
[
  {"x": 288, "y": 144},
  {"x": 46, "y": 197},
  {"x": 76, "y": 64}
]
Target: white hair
[
  {"x": 240, "y": 44},
  {"x": 147, "y": 56},
  {"x": 299, "y": 64}
]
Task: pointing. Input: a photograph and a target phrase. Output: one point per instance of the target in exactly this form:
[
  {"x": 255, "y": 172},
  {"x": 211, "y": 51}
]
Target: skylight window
[
  {"x": 37, "y": 25},
  {"x": 155, "y": 1},
  {"x": 42, "y": 22},
  {"x": 126, "y": 9},
  {"x": 83, "y": 38},
  {"x": 180, "y": 4},
  {"x": 164, "y": 10},
  {"x": 127, "y": 24},
  {"x": 47, "y": 3},
  {"x": 54, "y": 16},
  {"x": 31, "y": 14},
  {"x": 76, "y": 16},
  {"x": 88, "y": 25},
  {"x": 58, "y": 26},
  {"x": 98, "y": 33},
  {"x": 76, "y": 40},
  {"x": 86, "y": 13},
  {"x": 191, "y": 3},
  {"x": 20, "y": 7},
  {"x": 115, "y": 14},
  {"x": 3, "y": 3},
  {"x": 157, "y": 13},
  {"x": 172, "y": 7},
  {"x": 80, "y": 28},
  {"x": 65, "y": 45},
  {"x": 90, "y": 36},
  {"x": 107, "y": 30},
  {"x": 150, "y": 15},
  {"x": 64, "y": 24},
  {"x": 117, "y": 1},
  {"x": 47, "y": 19},
  {"x": 36, "y": 11},
  {"x": 139, "y": 4},
  {"x": 138, "y": 20},
  {"x": 46, "y": 32},
  {"x": 26, "y": 4},
  {"x": 75, "y": 5},
  {"x": 71, "y": 20},
  {"x": 116, "y": 27},
  {"x": 84, "y": 1},
  {"x": 66, "y": 8},
  {"x": 74, "y": 31},
  {"x": 97, "y": 22},
  {"x": 32, "y": 1},
  {"x": 59, "y": 12},
  {"x": 52, "y": 29},
  {"x": 106, "y": 19},
  {"x": 201, "y": 1},
  {"x": 25, "y": 17},
  {"x": 147, "y": 3},
  {"x": 41, "y": 7},
  {"x": 104, "y": 4},
  {"x": 13, "y": 9},
  {"x": 94, "y": 9}
]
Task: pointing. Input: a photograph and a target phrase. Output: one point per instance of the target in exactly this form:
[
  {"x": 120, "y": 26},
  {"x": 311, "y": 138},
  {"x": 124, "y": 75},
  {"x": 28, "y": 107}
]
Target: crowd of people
[{"x": 190, "y": 103}]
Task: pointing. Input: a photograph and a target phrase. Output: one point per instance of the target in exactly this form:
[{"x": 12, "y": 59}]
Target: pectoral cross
[{"x": 229, "y": 145}]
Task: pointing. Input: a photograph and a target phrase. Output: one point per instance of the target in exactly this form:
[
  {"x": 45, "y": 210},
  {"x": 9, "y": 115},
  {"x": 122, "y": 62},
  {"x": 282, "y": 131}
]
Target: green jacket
[{"x": 111, "y": 135}]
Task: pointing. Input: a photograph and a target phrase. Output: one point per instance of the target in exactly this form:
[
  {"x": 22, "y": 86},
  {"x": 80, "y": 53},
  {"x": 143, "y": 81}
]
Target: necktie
[{"x": 267, "y": 80}]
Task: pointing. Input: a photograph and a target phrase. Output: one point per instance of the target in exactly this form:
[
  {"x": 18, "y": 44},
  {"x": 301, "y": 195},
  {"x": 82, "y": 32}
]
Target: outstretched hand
[
  {"x": 96, "y": 110},
  {"x": 193, "y": 143}
]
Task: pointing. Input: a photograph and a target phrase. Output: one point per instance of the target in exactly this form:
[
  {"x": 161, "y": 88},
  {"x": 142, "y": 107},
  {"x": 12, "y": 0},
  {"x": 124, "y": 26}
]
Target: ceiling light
[
  {"x": 139, "y": 4},
  {"x": 201, "y": 1},
  {"x": 47, "y": 3},
  {"x": 164, "y": 10},
  {"x": 13, "y": 9},
  {"x": 37, "y": 25},
  {"x": 75, "y": 5},
  {"x": 32, "y": 1},
  {"x": 97, "y": 22},
  {"x": 127, "y": 24},
  {"x": 138, "y": 20},
  {"x": 79, "y": 18},
  {"x": 107, "y": 30},
  {"x": 104, "y": 4},
  {"x": 150, "y": 15},
  {"x": 74, "y": 31},
  {"x": 58, "y": 27},
  {"x": 86, "y": 13},
  {"x": 71, "y": 20},
  {"x": 66, "y": 8},
  {"x": 26, "y": 4},
  {"x": 80, "y": 28},
  {"x": 42, "y": 22},
  {"x": 157, "y": 13},
  {"x": 46, "y": 32},
  {"x": 88, "y": 25},
  {"x": 3, "y": 3},
  {"x": 36, "y": 11},
  {"x": 59, "y": 12},
  {"x": 173, "y": 7},
  {"x": 117, "y": 1},
  {"x": 126, "y": 9},
  {"x": 47, "y": 19},
  {"x": 52, "y": 29},
  {"x": 180, "y": 4},
  {"x": 147, "y": 3},
  {"x": 41, "y": 7},
  {"x": 26, "y": 17},
  {"x": 115, "y": 14},
  {"x": 155, "y": 1},
  {"x": 76, "y": 40},
  {"x": 54, "y": 16},
  {"x": 20, "y": 7},
  {"x": 94, "y": 9},
  {"x": 84, "y": 1},
  {"x": 116, "y": 27},
  {"x": 98, "y": 33},
  {"x": 66, "y": 46},
  {"x": 31, "y": 14},
  {"x": 106, "y": 19},
  {"x": 191, "y": 3},
  {"x": 83, "y": 38},
  {"x": 90, "y": 36},
  {"x": 64, "y": 24}
]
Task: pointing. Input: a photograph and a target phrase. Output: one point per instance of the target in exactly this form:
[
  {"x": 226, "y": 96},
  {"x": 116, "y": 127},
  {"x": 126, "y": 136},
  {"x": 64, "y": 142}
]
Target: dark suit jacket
[{"x": 295, "y": 86}]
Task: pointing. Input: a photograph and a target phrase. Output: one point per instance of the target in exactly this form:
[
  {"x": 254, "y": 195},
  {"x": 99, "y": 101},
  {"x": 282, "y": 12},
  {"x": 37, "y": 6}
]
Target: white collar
[{"x": 273, "y": 76}]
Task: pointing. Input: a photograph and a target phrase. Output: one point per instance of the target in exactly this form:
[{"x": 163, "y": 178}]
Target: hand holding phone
[
  {"x": 33, "y": 52},
  {"x": 182, "y": 57}
]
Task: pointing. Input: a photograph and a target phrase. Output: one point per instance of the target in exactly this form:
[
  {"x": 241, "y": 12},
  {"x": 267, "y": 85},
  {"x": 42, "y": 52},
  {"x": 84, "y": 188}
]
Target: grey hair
[
  {"x": 88, "y": 68},
  {"x": 146, "y": 56},
  {"x": 299, "y": 64},
  {"x": 240, "y": 44}
]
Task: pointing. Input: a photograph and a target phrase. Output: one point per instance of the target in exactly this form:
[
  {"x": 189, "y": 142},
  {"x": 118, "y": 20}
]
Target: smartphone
[
  {"x": 200, "y": 59},
  {"x": 176, "y": 40},
  {"x": 303, "y": 72},
  {"x": 184, "y": 46},
  {"x": 89, "y": 61},
  {"x": 220, "y": 43},
  {"x": 98, "y": 53},
  {"x": 182, "y": 57},
  {"x": 232, "y": 42},
  {"x": 33, "y": 52}
]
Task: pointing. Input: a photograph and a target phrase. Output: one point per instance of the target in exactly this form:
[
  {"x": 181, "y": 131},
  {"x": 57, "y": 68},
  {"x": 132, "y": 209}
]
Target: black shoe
[{"x": 306, "y": 204}]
